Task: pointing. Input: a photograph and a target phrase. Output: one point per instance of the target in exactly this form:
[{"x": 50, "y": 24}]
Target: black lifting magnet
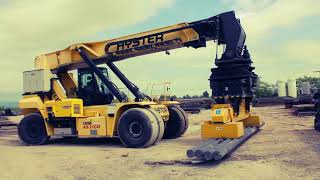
[{"x": 233, "y": 76}]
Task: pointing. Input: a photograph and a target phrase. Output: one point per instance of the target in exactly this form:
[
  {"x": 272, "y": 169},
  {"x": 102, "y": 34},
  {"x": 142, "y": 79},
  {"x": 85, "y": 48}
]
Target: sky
[{"x": 282, "y": 36}]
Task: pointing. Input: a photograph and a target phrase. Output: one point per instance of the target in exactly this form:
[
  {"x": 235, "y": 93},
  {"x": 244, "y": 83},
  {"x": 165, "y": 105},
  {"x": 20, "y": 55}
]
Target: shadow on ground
[{"x": 110, "y": 142}]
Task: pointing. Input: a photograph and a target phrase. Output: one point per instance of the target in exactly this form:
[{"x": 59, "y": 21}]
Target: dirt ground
[{"x": 287, "y": 147}]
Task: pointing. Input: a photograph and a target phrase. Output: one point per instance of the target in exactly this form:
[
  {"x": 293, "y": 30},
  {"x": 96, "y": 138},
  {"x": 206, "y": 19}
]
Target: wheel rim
[
  {"x": 135, "y": 129},
  {"x": 34, "y": 130}
]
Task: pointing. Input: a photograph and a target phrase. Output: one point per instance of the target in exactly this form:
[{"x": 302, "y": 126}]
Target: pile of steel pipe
[{"x": 216, "y": 149}]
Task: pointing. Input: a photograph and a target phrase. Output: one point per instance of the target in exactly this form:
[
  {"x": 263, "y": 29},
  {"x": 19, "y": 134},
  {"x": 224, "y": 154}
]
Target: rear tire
[
  {"x": 177, "y": 123},
  {"x": 186, "y": 119},
  {"x": 317, "y": 123},
  {"x": 32, "y": 130},
  {"x": 137, "y": 128}
]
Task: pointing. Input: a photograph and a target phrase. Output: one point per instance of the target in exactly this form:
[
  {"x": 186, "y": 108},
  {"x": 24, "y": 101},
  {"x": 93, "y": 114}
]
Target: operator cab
[{"x": 91, "y": 89}]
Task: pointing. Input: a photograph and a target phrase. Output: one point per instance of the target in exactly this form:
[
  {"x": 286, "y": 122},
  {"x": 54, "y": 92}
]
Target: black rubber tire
[
  {"x": 32, "y": 130},
  {"x": 186, "y": 119},
  {"x": 317, "y": 124},
  {"x": 137, "y": 128},
  {"x": 160, "y": 124},
  {"x": 176, "y": 124},
  {"x": 155, "y": 127}
]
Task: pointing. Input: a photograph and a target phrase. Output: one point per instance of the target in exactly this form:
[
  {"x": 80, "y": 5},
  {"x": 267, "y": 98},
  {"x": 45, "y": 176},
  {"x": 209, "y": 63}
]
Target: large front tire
[
  {"x": 32, "y": 130},
  {"x": 138, "y": 128},
  {"x": 160, "y": 124}
]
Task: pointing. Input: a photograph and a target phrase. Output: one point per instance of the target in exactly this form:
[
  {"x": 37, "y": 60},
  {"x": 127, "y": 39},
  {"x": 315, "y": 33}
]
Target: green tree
[
  {"x": 265, "y": 90},
  {"x": 314, "y": 82},
  {"x": 173, "y": 97},
  {"x": 205, "y": 94},
  {"x": 186, "y": 97}
]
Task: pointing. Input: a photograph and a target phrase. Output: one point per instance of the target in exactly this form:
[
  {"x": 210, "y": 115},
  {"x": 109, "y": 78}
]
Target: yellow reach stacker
[{"x": 55, "y": 104}]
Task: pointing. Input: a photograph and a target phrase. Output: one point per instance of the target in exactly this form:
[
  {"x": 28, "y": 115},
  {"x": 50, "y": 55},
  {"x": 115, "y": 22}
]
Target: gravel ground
[{"x": 287, "y": 147}]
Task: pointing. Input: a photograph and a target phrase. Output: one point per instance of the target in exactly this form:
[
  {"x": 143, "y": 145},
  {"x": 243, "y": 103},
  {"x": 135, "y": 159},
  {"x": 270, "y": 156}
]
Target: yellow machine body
[
  {"x": 221, "y": 113},
  {"x": 65, "y": 107},
  {"x": 92, "y": 126},
  {"x": 222, "y": 130},
  {"x": 227, "y": 124},
  {"x": 96, "y": 121},
  {"x": 70, "y": 58}
]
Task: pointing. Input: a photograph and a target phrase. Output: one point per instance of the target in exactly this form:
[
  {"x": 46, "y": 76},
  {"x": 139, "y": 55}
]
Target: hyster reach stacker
[{"x": 55, "y": 104}]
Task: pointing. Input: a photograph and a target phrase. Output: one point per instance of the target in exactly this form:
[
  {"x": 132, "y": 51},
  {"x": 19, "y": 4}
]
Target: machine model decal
[
  {"x": 140, "y": 44},
  {"x": 131, "y": 43},
  {"x": 91, "y": 125}
]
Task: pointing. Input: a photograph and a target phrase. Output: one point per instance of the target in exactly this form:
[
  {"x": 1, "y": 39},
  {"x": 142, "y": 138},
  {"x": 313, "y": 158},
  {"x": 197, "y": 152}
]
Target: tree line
[{"x": 265, "y": 89}]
